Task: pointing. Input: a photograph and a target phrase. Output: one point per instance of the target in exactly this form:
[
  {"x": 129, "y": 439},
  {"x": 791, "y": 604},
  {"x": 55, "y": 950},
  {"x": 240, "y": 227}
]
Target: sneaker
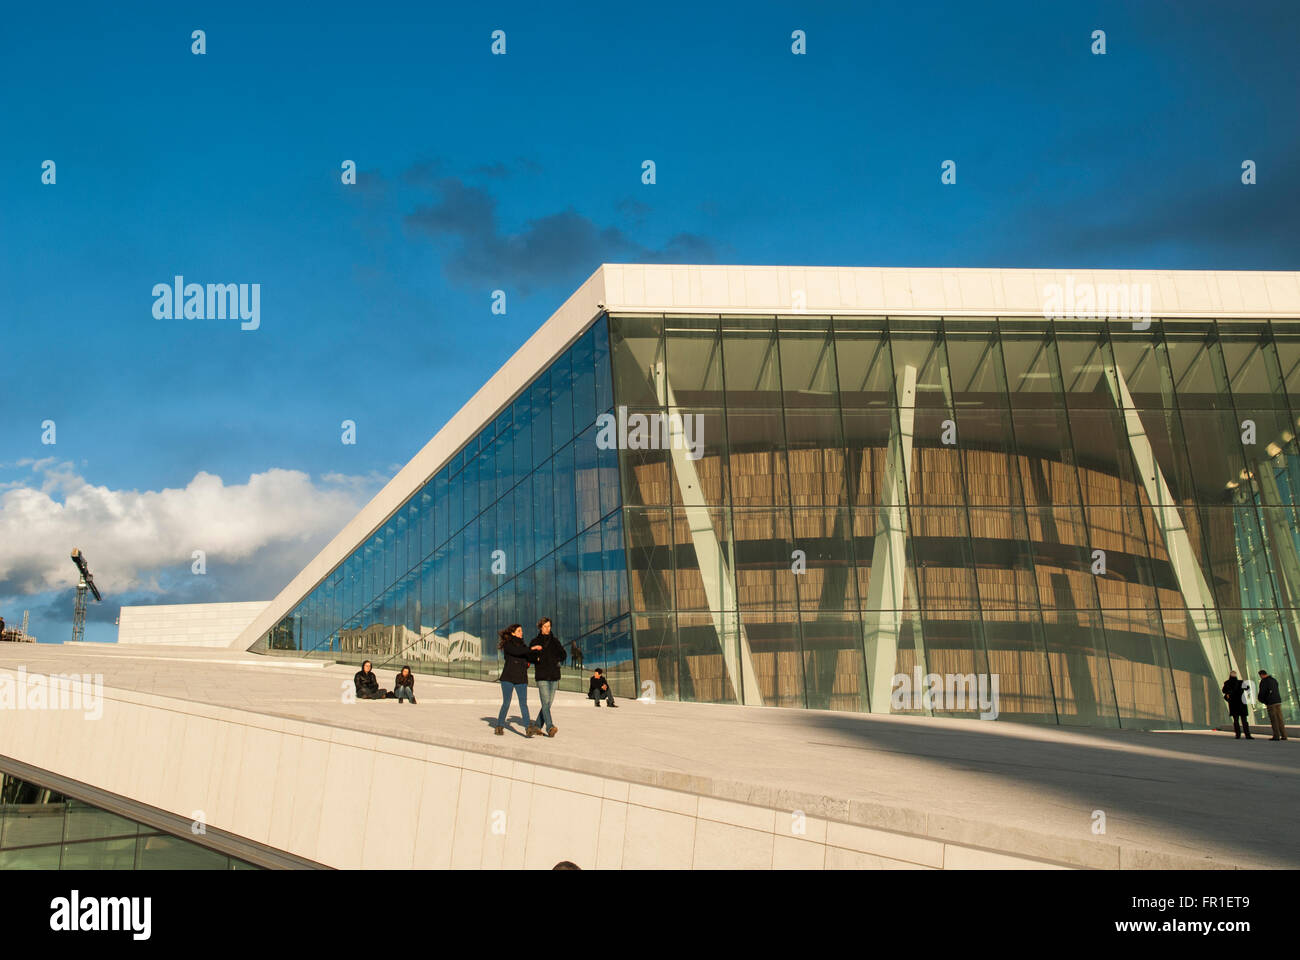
[
  {"x": 552, "y": 731},
  {"x": 500, "y": 731},
  {"x": 413, "y": 701}
]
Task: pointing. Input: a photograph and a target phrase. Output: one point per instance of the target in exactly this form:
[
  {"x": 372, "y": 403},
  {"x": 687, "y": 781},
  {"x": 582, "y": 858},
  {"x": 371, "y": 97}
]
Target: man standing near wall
[{"x": 1271, "y": 697}]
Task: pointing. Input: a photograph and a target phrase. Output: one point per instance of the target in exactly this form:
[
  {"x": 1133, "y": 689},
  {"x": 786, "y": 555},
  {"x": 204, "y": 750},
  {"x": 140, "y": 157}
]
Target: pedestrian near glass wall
[
  {"x": 1237, "y": 709},
  {"x": 514, "y": 676},
  {"x": 1271, "y": 696},
  {"x": 550, "y": 656}
]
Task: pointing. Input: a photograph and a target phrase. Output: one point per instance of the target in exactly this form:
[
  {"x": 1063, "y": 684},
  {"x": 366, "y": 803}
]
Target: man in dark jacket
[
  {"x": 598, "y": 689},
  {"x": 368, "y": 684},
  {"x": 1232, "y": 688},
  {"x": 1271, "y": 697},
  {"x": 550, "y": 654},
  {"x": 404, "y": 685}
]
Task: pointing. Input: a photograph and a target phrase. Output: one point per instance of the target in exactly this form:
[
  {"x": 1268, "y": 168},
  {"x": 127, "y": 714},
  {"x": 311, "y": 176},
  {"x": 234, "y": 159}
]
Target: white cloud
[{"x": 277, "y": 520}]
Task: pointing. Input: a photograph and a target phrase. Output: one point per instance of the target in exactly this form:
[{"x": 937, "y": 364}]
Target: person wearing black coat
[
  {"x": 1232, "y": 689},
  {"x": 404, "y": 685},
  {"x": 1271, "y": 697},
  {"x": 598, "y": 689},
  {"x": 514, "y": 676},
  {"x": 550, "y": 655},
  {"x": 367, "y": 684}
]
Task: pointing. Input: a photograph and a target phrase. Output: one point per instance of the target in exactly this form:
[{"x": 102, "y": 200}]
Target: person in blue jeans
[
  {"x": 549, "y": 653},
  {"x": 514, "y": 676},
  {"x": 404, "y": 685}
]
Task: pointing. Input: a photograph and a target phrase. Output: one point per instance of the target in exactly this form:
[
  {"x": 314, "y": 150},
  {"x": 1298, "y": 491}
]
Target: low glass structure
[
  {"x": 41, "y": 829},
  {"x": 801, "y": 510}
]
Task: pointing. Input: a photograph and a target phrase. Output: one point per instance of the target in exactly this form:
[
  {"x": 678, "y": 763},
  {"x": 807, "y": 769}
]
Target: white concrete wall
[{"x": 187, "y": 624}]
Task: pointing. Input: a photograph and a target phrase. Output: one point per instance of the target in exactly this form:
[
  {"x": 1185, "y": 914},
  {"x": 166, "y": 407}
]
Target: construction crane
[{"x": 85, "y": 584}]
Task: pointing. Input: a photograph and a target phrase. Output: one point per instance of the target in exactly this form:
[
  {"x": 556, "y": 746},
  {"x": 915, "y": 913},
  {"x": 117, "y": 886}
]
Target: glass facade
[
  {"x": 44, "y": 830},
  {"x": 1101, "y": 517},
  {"x": 797, "y": 510}
]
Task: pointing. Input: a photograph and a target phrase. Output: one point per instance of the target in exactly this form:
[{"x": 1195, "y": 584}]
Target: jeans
[
  {"x": 405, "y": 693},
  {"x": 546, "y": 691},
  {"x": 520, "y": 690}
]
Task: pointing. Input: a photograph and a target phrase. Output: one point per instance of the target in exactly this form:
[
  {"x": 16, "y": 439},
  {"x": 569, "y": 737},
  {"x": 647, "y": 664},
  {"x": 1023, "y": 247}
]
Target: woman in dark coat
[
  {"x": 404, "y": 685},
  {"x": 1237, "y": 709},
  {"x": 514, "y": 676}
]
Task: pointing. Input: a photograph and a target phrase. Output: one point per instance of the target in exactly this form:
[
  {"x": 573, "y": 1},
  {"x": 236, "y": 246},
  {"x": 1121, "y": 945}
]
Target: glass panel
[
  {"x": 562, "y": 400},
  {"x": 541, "y": 404},
  {"x": 656, "y": 652},
  {"x": 586, "y": 479},
  {"x": 693, "y": 349},
  {"x": 751, "y": 363},
  {"x": 707, "y": 641},
  {"x": 834, "y": 676},
  {"x": 566, "y": 510},
  {"x": 756, "y": 461},
  {"x": 604, "y": 387},
  {"x": 638, "y": 352},
  {"x": 702, "y": 552},
  {"x": 808, "y": 371},
  {"x": 764, "y": 567},
  {"x": 816, "y": 458},
  {"x": 772, "y": 637},
  {"x": 106, "y": 855},
  {"x": 828, "y": 581},
  {"x": 160, "y": 852},
  {"x": 583, "y": 389},
  {"x": 699, "y": 465},
  {"x": 865, "y": 372},
  {"x": 650, "y": 556}
]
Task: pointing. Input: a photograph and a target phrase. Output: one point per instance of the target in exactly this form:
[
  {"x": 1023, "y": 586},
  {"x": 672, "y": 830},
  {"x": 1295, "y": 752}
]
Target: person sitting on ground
[
  {"x": 404, "y": 685},
  {"x": 368, "y": 684},
  {"x": 599, "y": 690}
]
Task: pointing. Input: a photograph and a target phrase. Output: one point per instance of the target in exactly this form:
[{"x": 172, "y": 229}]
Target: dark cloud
[
  {"x": 1224, "y": 224},
  {"x": 633, "y": 209},
  {"x": 555, "y": 249}
]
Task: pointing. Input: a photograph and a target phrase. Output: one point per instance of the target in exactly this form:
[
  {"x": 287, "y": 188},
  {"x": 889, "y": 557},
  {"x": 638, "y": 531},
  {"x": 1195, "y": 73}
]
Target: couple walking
[{"x": 545, "y": 653}]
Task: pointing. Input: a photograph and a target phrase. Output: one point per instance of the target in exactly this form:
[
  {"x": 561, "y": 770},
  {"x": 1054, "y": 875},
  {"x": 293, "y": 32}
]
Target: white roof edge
[{"x": 738, "y": 289}]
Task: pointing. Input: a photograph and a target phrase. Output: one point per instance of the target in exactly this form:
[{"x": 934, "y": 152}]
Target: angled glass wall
[
  {"x": 523, "y": 522},
  {"x": 1103, "y": 518}
]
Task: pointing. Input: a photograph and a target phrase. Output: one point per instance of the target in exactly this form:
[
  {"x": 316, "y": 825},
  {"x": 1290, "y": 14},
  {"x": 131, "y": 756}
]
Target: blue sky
[{"x": 523, "y": 172}]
